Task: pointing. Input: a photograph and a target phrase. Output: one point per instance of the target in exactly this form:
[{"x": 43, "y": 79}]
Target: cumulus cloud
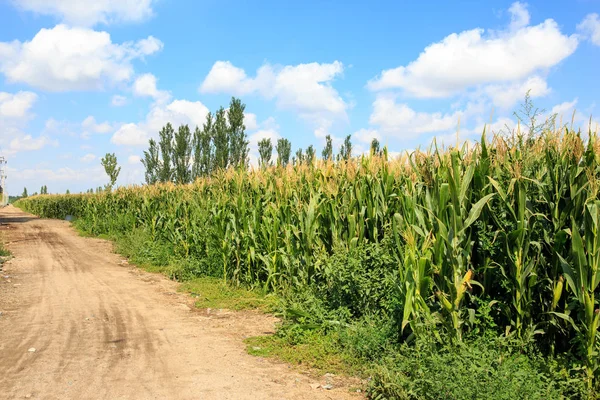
[
  {"x": 177, "y": 112},
  {"x": 475, "y": 57},
  {"x": 89, "y": 13},
  {"x": 507, "y": 95},
  {"x": 17, "y": 105},
  {"x": 130, "y": 135},
  {"x": 145, "y": 86},
  {"x": 90, "y": 125},
  {"x": 304, "y": 88},
  {"x": 590, "y": 28},
  {"x": 400, "y": 120},
  {"x": 22, "y": 143},
  {"x": 65, "y": 58}
]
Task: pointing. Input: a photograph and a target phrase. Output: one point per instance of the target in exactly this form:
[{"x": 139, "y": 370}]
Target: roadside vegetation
[{"x": 455, "y": 273}]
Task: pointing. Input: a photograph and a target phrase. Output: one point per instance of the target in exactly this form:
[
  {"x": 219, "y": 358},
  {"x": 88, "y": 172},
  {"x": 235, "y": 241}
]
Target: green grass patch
[
  {"x": 316, "y": 351},
  {"x": 214, "y": 293}
]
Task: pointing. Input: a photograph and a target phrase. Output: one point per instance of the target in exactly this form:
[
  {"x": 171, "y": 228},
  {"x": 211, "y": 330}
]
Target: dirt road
[{"x": 102, "y": 329}]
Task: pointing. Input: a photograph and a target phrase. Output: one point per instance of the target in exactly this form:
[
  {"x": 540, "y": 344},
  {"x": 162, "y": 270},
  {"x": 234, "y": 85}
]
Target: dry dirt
[{"x": 103, "y": 329}]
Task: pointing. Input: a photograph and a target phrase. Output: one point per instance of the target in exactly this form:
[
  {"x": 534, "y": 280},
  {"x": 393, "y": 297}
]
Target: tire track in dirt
[{"x": 105, "y": 330}]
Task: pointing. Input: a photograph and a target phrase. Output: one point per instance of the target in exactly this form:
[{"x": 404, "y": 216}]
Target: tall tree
[
  {"x": 151, "y": 162},
  {"x": 284, "y": 149},
  {"x": 24, "y": 193},
  {"x": 238, "y": 145},
  {"x": 299, "y": 157},
  {"x": 203, "y": 148},
  {"x": 328, "y": 150},
  {"x": 346, "y": 149},
  {"x": 112, "y": 169},
  {"x": 375, "y": 150},
  {"x": 182, "y": 153},
  {"x": 310, "y": 154},
  {"x": 221, "y": 140},
  {"x": 68, "y": 191},
  {"x": 265, "y": 151},
  {"x": 165, "y": 144}
]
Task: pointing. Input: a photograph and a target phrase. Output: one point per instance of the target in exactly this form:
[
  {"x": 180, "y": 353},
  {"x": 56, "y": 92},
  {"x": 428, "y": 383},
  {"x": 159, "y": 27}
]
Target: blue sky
[{"x": 80, "y": 80}]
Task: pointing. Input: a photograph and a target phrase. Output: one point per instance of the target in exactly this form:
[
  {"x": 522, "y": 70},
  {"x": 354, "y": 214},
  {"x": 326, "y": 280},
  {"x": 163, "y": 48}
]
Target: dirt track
[{"x": 102, "y": 329}]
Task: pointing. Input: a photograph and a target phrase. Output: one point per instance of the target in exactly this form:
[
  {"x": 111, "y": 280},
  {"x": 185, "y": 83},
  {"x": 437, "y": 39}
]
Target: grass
[{"x": 214, "y": 293}]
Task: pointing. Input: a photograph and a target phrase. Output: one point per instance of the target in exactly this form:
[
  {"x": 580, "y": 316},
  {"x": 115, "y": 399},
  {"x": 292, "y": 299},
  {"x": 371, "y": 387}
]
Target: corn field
[{"x": 511, "y": 221}]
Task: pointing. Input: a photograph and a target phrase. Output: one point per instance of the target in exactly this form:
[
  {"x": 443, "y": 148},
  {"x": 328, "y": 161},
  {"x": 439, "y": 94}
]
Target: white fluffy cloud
[
  {"x": 399, "y": 120},
  {"x": 65, "y": 58},
  {"x": 590, "y": 28},
  {"x": 130, "y": 135},
  {"x": 16, "y": 105},
  {"x": 23, "y": 143},
  {"x": 475, "y": 57},
  {"x": 89, "y": 13},
  {"x": 177, "y": 112},
  {"x": 507, "y": 95},
  {"x": 304, "y": 88},
  {"x": 366, "y": 135},
  {"x": 145, "y": 86},
  {"x": 90, "y": 125}
]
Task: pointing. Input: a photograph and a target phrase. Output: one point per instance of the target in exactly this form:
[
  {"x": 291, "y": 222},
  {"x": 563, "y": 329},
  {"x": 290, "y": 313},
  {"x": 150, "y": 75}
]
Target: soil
[{"x": 78, "y": 322}]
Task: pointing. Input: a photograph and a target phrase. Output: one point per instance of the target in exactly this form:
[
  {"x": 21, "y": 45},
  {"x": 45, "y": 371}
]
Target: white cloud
[
  {"x": 519, "y": 16},
  {"x": 118, "y": 100},
  {"x": 29, "y": 143},
  {"x": 90, "y": 125},
  {"x": 590, "y": 28},
  {"x": 471, "y": 58},
  {"x": 187, "y": 112},
  {"x": 145, "y": 86},
  {"x": 130, "y": 135},
  {"x": 563, "y": 108},
  {"x": 65, "y": 58},
  {"x": 250, "y": 121},
  {"x": 89, "y": 13},
  {"x": 16, "y": 105},
  {"x": 134, "y": 160},
  {"x": 305, "y": 88},
  {"x": 507, "y": 95},
  {"x": 178, "y": 112},
  {"x": 366, "y": 135},
  {"x": 88, "y": 158},
  {"x": 399, "y": 120}
]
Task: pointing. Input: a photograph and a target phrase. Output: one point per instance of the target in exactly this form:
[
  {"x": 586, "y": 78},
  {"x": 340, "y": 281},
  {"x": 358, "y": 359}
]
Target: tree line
[{"x": 181, "y": 156}]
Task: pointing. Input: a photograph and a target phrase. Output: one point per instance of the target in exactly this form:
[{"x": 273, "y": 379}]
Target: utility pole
[{"x": 3, "y": 193}]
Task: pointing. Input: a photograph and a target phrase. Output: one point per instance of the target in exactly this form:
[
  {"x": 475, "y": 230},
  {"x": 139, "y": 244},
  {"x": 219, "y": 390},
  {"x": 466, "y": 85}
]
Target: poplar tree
[
  {"x": 284, "y": 149},
  {"x": 221, "y": 140},
  {"x": 328, "y": 150},
  {"x": 299, "y": 157},
  {"x": 182, "y": 152},
  {"x": 109, "y": 162},
  {"x": 151, "y": 162},
  {"x": 206, "y": 147},
  {"x": 238, "y": 145},
  {"x": 346, "y": 149},
  {"x": 310, "y": 155},
  {"x": 165, "y": 173},
  {"x": 375, "y": 150},
  {"x": 265, "y": 151}
]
